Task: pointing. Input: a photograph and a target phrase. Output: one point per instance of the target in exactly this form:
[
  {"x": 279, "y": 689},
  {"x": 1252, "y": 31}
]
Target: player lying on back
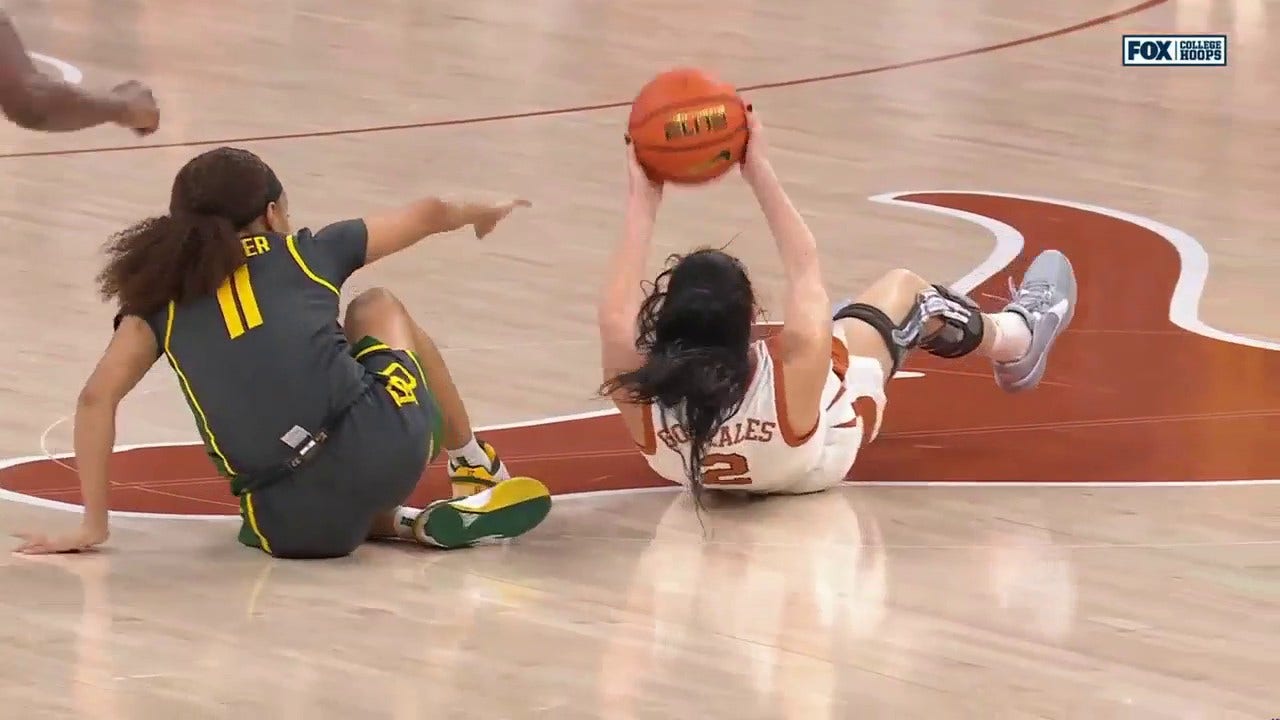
[
  {"x": 323, "y": 429},
  {"x": 35, "y": 101},
  {"x": 711, "y": 407}
]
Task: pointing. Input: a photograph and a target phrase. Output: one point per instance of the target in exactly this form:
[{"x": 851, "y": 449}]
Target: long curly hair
[
  {"x": 189, "y": 251},
  {"x": 694, "y": 330}
]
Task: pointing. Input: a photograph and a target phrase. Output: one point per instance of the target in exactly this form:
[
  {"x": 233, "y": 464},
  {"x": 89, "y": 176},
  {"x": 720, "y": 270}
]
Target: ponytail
[{"x": 169, "y": 258}]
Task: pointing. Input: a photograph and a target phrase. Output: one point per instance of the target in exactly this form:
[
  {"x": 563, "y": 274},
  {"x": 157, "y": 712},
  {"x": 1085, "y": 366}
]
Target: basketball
[{"x": 688, "y": 127}]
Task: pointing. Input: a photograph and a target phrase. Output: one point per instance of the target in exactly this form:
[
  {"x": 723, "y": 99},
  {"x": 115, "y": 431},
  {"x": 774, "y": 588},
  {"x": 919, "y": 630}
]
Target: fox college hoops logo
[{"x": 1176, "y": 50}]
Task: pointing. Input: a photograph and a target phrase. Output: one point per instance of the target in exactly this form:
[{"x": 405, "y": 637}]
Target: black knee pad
[
  {"x": 961, "y": 318},
  {"x": 888, "y": 329}
]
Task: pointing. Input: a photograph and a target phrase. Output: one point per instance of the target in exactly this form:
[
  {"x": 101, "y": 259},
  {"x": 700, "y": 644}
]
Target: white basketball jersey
[{"x": 757, "y": 449}]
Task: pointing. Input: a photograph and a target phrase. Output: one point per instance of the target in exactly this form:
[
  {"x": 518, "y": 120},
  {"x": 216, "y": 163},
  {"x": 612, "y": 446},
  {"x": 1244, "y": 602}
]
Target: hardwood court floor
[{"x": 873, "y": 601}]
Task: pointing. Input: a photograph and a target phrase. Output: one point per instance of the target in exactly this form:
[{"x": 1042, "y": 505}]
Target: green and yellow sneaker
[
  {"x": 470, "y": 479},
  {"x": 507, "y": 510}
]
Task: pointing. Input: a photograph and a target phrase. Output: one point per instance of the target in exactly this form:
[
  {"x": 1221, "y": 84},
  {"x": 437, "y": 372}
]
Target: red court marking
[
  {"x": 1129, "y": 397},
  {"x": 1082, "y": 25}
]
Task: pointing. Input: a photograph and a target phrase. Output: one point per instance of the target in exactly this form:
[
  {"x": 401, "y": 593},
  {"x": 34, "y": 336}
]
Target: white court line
[
  {"x": 1184, "y": 305},
  {"x": 44, "y": 436},
  {"x": 70, "y": 73},
  {"x": 1184, "y": 308}
]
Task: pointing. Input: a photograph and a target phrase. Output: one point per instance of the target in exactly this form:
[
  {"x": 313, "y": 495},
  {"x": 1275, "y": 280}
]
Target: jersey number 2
[
  {"x": 725, "y": 469},
  {"x": 238, "y": 304}
]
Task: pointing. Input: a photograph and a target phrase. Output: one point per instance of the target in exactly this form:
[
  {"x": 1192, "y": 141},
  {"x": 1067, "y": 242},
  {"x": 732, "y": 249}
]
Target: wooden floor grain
[{"x": 868, "y": 602}]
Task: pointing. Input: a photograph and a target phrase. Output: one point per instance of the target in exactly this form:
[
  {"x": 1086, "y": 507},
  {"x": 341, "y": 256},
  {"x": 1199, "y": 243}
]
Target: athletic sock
[
  {"x": 471, "y": 454},
  {"x": 1012, "y": 338},
  {"x": 404, "y": 517}
]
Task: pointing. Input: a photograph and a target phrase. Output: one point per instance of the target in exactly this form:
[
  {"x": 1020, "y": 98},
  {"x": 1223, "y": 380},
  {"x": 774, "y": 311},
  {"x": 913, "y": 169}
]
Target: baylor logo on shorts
[{"x": 401, "y": 385}]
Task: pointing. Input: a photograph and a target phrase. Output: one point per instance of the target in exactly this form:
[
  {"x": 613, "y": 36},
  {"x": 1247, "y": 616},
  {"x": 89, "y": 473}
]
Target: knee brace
[
  {"x": 888, "y": 329},
  {"x": 961, "y": 319},
  {"x": 960, "y": 334}
]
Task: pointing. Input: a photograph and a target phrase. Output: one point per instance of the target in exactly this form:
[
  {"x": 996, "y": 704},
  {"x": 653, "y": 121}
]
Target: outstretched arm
[
  {"x": 808, "y": 308},
  {"x": 130, "y": 354},
  {"x": 36, "y": 101},
  {"x": 622, "y": 294},
  {"x": 806, "y": 330},
  {"x": 393, "y": 231}
]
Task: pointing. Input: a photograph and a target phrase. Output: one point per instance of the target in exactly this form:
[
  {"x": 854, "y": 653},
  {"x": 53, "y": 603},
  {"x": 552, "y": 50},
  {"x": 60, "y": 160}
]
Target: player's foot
[
  {"x": 470, "y": 479},
  {"x": 509, "y": 509},
  {"x": 1046, "y": 299}
]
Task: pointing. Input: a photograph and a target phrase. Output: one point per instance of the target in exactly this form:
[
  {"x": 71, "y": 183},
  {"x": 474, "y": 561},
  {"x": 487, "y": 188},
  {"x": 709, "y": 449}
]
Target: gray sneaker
[{"x": 1046, "y": 299}]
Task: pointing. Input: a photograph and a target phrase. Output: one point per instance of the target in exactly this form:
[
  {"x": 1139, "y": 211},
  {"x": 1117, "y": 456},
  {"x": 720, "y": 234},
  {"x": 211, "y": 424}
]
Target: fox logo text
[{"x": 1174, "y": 50}]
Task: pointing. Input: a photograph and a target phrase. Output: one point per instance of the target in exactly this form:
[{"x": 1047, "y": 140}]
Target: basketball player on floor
[
  {"x": 35, "y": 101},
  {"x": 711, "y": 408},
  {"x": 323, "y": 429}
]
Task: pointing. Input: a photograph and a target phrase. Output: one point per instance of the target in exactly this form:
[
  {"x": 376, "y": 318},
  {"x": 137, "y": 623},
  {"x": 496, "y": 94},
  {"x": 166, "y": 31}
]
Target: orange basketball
[{"x": 688, "y": 127}]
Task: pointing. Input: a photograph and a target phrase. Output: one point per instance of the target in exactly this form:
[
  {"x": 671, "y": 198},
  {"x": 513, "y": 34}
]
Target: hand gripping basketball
[
  {"x": 642, "y": 189},
  {"x": 687, "y": 126},
  {"x": 756, "y": 155}
]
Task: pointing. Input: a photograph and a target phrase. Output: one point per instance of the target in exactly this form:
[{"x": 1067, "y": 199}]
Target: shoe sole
[{"x": 507, "y": 510}]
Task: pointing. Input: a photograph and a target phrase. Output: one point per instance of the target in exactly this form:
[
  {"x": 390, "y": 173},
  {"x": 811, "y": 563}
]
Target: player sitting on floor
[
  {"x": 711, "y": 407},
  {"x": 323, "y": 429}
]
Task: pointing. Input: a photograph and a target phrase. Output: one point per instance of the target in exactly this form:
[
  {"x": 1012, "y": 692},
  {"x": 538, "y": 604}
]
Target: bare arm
[
  {"x": 806, "y": 330},
  {"x": 808, "y": 308},
  {"x": 36, "y": 101},
  {"x": 620, "y": 302},
  {"x": 130, "y": 354},
  {"x": 395, "y": 230},
  {"x": 622, "y": 294}
]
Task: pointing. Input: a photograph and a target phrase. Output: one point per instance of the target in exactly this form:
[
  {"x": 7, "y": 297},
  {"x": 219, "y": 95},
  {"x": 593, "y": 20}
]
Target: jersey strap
[{"x": 306, "y": 446}]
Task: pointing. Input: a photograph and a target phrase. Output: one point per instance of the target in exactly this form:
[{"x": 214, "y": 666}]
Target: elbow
[
  {"x": 618, "y": 331},
  {"x": 604, "y": 313},
  {"x": 616, "y": 307},
  {"x": 22, "y": 108},
  {"x": 27, "y": 118},
  {"x": 437, "y": 215},
  {"x": 92, "y": 399},
  {"x": 613, "y": 320},
  {"x": 809, "y": 291}
]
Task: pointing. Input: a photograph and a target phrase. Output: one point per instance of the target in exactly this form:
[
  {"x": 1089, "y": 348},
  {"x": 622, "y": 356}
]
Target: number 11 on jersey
[{"x": 238, "y": 304}]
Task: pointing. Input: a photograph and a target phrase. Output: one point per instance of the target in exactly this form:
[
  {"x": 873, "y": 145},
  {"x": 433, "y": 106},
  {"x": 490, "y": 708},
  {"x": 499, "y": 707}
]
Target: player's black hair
[
  {"x": 694, "y": 330},
  {"x": 188, "y": 252}
]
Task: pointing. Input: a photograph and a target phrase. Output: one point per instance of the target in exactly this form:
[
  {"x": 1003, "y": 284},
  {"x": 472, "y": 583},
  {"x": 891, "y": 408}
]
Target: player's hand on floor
[
  {"x": 141, "y": 113},
  {"x": 489, "y": 217},
  {"x": 85, "y": 538}
]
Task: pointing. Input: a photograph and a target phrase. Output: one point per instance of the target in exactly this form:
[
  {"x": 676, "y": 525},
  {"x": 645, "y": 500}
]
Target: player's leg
[
  {"x": 299, "y": 519},
  {"x": 901, "y": 311},
  {"x": 473, "y": 464},
  {"x": 506, "y": 507}
]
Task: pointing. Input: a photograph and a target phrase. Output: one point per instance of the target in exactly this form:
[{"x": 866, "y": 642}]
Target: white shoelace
[{"x": 1035, "y": 296}]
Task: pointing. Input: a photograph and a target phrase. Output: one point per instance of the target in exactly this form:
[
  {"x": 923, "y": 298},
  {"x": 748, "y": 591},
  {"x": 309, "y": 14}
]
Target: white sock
[
  {"x": 1012, "y": 338},
  {"x": 471, "y": 454},
  {"x": 404, "y": 517}
]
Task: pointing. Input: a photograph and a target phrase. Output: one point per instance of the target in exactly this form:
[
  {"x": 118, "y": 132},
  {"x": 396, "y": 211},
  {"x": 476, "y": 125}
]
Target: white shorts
[{"x": 853, "y": 403}]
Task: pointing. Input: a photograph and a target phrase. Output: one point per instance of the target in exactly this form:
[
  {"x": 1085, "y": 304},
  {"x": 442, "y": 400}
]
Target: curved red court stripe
[{"x": 1145, "y": 401}]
